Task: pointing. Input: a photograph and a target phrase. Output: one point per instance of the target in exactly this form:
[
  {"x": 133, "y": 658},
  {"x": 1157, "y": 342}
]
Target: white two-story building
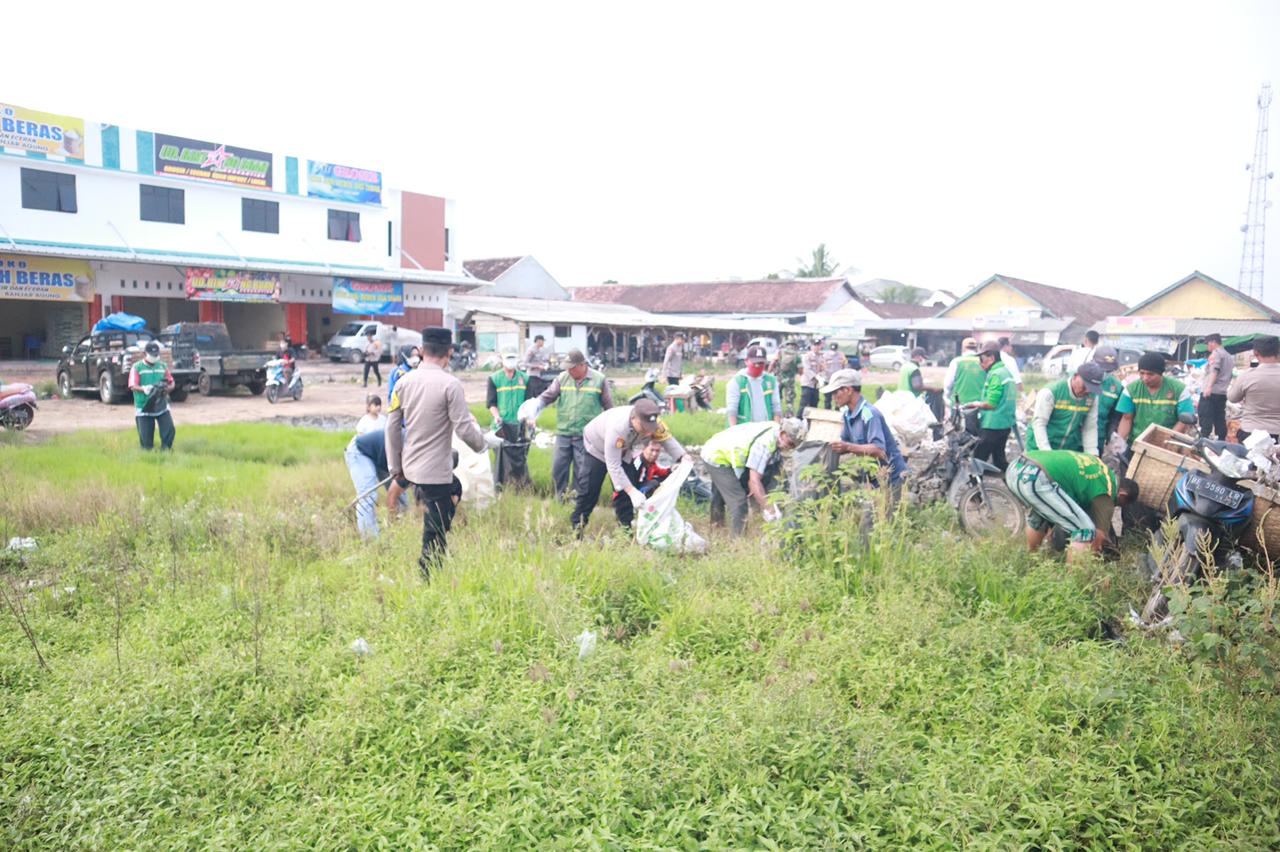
[{"x": 97, "y": 218}]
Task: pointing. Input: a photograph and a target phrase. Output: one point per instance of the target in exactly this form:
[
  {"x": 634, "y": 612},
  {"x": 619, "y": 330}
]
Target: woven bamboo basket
[
  {"x": 824, "y": 425},
  {"x": 1263, "y": 533},
  {"x": 1158, "y": 463}
]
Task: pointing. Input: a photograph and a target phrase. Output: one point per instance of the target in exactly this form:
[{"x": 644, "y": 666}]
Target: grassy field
[{"x": 794, "y": 689}]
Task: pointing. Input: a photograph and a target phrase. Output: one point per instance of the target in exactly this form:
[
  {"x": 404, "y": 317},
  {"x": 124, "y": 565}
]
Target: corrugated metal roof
[
  {"x": 555, "y": 311},
  {"x": 773, "y": 296},
  {"x": 1201, "y": 327},
  {"x": 125, "y": 255}
]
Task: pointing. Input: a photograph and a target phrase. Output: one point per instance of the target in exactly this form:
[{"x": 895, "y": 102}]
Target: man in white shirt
[
  {"x": 1010, "y": 361},
  {"x": 1082, "y": 353}
]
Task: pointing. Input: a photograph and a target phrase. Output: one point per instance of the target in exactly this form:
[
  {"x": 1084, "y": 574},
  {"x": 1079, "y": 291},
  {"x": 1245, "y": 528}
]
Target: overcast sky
[{"x": 1096, "y": 146}]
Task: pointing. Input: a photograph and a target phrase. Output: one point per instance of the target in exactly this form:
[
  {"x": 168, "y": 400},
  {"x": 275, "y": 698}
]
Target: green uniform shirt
[
  {"x": 1162, "y": 406},
  {"x": 970, "y": 383},
  {"x": 1084, "y": 478},
  {"x": 148, "y": 375},
  {"x": 1108, "y": 397},
  {"x": 577, "y": 406},
  {"x": 510, "y": 394},
  {"x": 904, "y": 378},
  {"x": 1001, "y": 392},
  {"x": 1067, "y": 421}
]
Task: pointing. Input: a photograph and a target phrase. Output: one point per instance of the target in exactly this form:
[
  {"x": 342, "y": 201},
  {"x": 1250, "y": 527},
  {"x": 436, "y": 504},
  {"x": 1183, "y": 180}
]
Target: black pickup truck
[
  {"x": 203, "y": 354},
  {"x": 100, "y": 364}
]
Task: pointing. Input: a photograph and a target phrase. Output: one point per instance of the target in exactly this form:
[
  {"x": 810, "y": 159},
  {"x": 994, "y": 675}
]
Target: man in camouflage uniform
[{"x": 786, "y": 366}]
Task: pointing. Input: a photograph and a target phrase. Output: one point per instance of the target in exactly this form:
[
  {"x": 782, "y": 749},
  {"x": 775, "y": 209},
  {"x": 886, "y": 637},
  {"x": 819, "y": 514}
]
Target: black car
[
  {"x": 100, "y": 364},
  {"x": 203, "y": 358}
]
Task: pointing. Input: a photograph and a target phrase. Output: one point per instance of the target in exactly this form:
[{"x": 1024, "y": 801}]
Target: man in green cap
[
  {"x": 1075, "y": 492},
  {"x": 579, "y": 394},
  {"x": 1152, "y": 398},
  {"x": 1108, "y": 359},
  {"x": 998, "y": 407},
  {"x": 1065, "y": 414}
]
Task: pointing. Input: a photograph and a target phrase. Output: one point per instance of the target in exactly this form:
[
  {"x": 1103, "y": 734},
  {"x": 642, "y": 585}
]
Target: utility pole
[{"x": 1255, "y": 222}]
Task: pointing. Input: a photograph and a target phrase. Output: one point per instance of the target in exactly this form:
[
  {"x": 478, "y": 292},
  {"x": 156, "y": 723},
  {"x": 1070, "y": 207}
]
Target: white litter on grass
[
  {"x": 361, "y": 648},
  {"x": 586, "y": 642},
  {"x": 17, "y": 543},
  {"x": 383, "y": 578}
]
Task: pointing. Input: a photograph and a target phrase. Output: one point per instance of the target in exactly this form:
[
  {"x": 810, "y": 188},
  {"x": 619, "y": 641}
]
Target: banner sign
[
  {"x": 45, "y": 278},
  {"x": 1141, "y": 325},
  {"x": 343, "y": 183},
  {"x": 221, "y": 163},
  {"x": 376, "y": 298},
  {"x": 232, "y": 285},
  {"x": 42, "y": 132}
]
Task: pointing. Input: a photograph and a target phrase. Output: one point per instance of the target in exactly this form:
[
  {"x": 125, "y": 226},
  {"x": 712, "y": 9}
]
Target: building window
[
  {"x": 48, "y": 191},
  {"x": 259, "y": 215},
  {"x": 563, "y": 331},
  {"x": 388, "y": 239},
  {"x": 446, "y": 243},
  {"x": 162, "y": 204},
  {"x": 344, "y": 226}
]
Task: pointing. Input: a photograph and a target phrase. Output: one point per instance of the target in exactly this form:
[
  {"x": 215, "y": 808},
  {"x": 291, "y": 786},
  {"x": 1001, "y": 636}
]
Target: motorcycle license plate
[{"x": 1216, "y": 491}]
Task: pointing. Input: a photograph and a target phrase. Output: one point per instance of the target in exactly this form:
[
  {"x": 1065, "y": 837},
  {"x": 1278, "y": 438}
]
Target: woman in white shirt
[{"x": 373, "y": 418}]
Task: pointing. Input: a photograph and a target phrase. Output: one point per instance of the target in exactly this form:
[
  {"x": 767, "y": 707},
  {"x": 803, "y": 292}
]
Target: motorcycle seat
[{"x": 1220, "y": 447}]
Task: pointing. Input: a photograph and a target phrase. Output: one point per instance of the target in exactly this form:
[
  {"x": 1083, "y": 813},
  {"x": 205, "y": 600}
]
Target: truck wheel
[
  {"x": 256, "y": 387},
  {"x": 355, "y": 356},
  {"x": 64, "y": 385},
  {"x": 106, "y": 388},
  {"x": 179, "y": 393},
  {"x": 204, "y": 384}
]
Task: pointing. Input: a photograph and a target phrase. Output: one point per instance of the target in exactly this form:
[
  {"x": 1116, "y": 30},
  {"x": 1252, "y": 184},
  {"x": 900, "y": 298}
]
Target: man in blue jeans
[{"x": 366, "y": 458}]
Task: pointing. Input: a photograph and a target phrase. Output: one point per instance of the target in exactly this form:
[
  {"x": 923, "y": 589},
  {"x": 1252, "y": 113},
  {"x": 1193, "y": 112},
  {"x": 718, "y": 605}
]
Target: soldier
[
  {"x": 786, "y": 365},
  {"x": 431, "y": 402}
]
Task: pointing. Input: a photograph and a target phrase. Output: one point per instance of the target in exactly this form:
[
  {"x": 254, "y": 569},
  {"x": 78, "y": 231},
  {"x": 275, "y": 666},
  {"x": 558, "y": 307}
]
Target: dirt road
[{"x": 331, "y": 390}]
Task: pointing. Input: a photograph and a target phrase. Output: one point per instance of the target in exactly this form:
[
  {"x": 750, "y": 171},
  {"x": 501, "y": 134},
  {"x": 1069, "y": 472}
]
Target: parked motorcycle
[
  {"x": 17, "y": 406},
  {"x": 278, "y": 384},
  {"x": 649, "y": 391},
  {"x": 464, "y": 358},
  {"x": 952, "y": 473},
  {"x": 1212, "y": 511}
]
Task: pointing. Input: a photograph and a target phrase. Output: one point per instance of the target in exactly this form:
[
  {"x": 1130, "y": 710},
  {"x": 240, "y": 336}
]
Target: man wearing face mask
[
  {"x": 752, "y": 395},
  {"x": 151, "y": 381},
  {"x": 410, "y": 358},
  {"x": 504, "y": 394}
]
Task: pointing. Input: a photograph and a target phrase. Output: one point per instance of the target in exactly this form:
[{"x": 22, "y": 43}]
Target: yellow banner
[
  {"x": 43, "y": 132},
  {"x": 23, "y": 277}
]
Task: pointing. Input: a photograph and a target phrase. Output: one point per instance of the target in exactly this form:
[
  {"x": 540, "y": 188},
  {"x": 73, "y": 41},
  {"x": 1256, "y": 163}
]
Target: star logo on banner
[{"x": 215, "y": 158}]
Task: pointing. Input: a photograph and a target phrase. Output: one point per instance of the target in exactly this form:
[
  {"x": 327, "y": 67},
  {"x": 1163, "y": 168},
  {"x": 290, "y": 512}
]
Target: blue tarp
[{"x": 120, "y": 322}]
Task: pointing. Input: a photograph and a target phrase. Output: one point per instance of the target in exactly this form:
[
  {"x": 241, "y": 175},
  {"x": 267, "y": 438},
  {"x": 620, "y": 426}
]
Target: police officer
[
  {"x": 431, "y": 402},
  {"x": 814, "y": 375}
]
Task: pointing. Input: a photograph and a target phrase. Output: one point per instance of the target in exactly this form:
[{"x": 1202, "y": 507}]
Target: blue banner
[
  {"x": 343, "y": 183},
  {"x": 375, "y": 298}
]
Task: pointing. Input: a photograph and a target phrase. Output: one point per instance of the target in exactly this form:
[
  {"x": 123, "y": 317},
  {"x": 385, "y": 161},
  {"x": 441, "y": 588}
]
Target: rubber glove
[
  {"x": 637, "y": 499},
  {"x": 492, "y": 441}
]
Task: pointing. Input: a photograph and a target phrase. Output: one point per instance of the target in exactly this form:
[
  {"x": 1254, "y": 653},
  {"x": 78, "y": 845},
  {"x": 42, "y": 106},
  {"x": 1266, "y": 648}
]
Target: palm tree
[
  {"x": 904, "y": 294},
  {"x": 822, "y": 265}
]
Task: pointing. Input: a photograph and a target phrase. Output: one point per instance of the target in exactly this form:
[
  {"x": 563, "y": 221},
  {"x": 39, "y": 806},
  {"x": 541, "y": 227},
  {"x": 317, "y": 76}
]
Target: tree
[
  {"x": 822, "y": 265},
  {"x": 772, "y": 276},
  {"x": 904, "y": 294}
]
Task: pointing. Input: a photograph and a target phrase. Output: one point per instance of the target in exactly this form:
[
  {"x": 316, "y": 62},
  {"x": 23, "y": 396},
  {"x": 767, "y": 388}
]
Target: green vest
[
  {"x": 1082, "y": 477},
  {"x": 1108, "y": 396},
  {"x": 904, "y": 378},
  {"x": 731, "y": 447},
  {"x": 768, "y": 384},
  {"x": 148, "y": 375},
  {"x": 1002, "y": 392},
  {"x": 510, "y": 394},
  {"x": 1067, "y": 422},
  {"x": 1159, "y": 407},
  {"x": 970, "y": 381},
  {"x": 577, "y": 406}
]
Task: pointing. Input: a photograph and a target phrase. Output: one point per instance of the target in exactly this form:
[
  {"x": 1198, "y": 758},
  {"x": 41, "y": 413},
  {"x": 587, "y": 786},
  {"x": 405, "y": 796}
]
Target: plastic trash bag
[
  {"x": 361, "y": 648},
  {"x": 19, "y": 543},
  {"x": 586, "y": 642},
  {"x": 528, "y": 409},
  {"x": 908, "y": 415},
  {"x": 119, "y": 322},
  {"x": 806, "y": 479},
  {"x": 475, "y": 472},
  {"x": 660, "y": 526}
]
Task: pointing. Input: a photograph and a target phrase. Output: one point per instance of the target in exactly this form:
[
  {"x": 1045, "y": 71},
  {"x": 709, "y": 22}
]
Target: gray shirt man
[
  {"x": 614, "y": 440},
  {"x": 536, "y": 360},
  {"x": 673, "y": 361},
  {"x": 1218, "y": 371},
  {"x": 1258, "y": 391},
  {"x": 431, "y": 401}
]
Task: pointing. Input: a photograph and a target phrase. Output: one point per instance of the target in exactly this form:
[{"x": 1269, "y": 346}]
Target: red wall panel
[{"x": 422, "y": 230}]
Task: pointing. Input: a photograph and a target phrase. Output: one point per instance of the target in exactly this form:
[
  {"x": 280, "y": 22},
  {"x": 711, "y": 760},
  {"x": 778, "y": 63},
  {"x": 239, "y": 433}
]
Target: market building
[{"x": 97, "y": 218}]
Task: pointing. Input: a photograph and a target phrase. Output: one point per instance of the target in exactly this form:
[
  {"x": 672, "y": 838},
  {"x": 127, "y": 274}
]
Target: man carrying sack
[{"x": 505, "y": 391}]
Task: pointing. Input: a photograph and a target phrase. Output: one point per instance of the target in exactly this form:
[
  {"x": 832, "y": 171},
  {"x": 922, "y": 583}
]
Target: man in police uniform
[
  {"x": 813, "y": 376},
  {"x": 427, "y": 409}
]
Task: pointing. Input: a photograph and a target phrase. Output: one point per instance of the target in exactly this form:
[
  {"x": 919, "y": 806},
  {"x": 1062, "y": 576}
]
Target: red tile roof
[
  {"x": 489, "y": 269},
  {"x": 783, "y": 295}
]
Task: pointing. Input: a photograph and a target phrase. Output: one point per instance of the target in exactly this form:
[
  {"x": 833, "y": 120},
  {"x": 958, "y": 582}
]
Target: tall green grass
[{"x": 905, "y": 689}]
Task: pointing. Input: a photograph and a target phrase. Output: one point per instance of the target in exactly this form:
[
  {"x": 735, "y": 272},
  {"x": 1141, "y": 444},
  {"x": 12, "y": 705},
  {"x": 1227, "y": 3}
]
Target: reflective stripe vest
[
  {"x": 1159, "y": 407},
  {"x": 768, "y": 384},
  {"x": 970, "y": 381},
  {"x": 578, "y": 405},
  {"x": 510, "y": 394},
  {"x": 148, "y": 375},
  {"x": 731, "y": 447},
  {"x": 1066, "y": 425},
  {"x": 1108, "y": 396}
]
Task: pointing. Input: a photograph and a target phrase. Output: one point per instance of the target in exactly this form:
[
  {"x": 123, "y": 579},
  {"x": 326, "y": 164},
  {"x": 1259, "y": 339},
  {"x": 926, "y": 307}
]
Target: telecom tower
[{"x": 1255, "y": 223}]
